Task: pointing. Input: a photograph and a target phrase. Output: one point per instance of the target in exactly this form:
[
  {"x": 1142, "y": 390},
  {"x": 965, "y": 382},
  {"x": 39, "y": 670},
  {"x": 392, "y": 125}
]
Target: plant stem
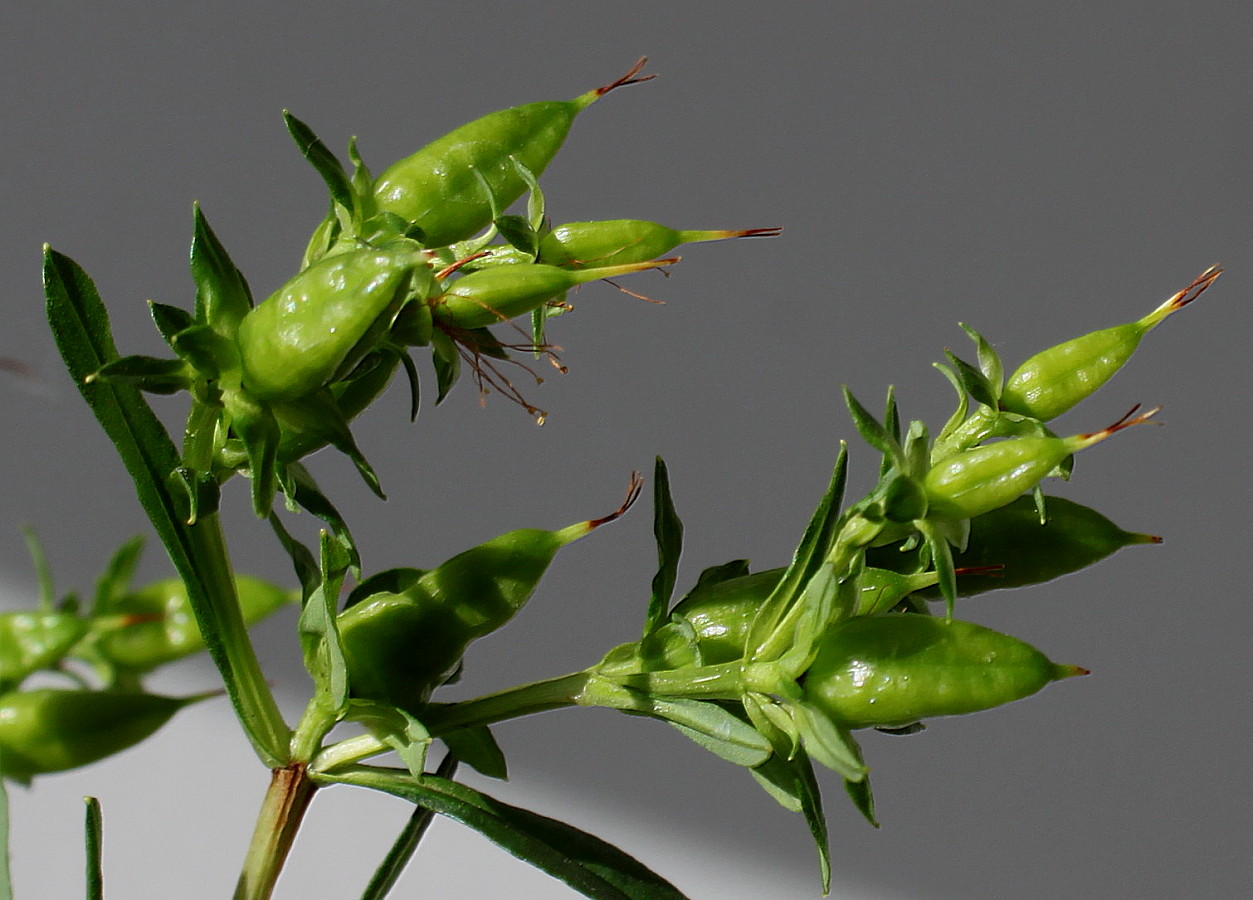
[
  {"x": 281, "y": 813},
  {"x": 554, "y": 693}
]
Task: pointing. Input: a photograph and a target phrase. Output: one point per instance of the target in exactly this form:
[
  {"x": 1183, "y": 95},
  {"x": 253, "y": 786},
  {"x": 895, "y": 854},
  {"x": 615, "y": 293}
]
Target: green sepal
[
  {"x": 903, "y": 499},
  {"x": 584, "y": 862},
  {"x": 668, "y": 532},
  {"x": 974, "y": 381},
  {"x": 736, "y": 568},
  {"x": 116, "y": 578},
  {"x": 963, "y": 405},
  {"x": 395, "y": 728},
  {"x": 319, "y": 631},
  {"x": 413, "y": 325},
  {"x": 535, "y": 202},
  {"x": 147, "y": 373},
  {"x": 989, "y": 361},
  {"x": 873, "y": 433},
  {"x": 206, "y": 351},
  {"x": 306, "y": 493},
  {"x": 43, "y": 571},
  {"x": 362, "y": 180},
  {"x": 519, "y": 233},
  {"x": 712, "y": 727},
  {"x": 324, "y": 161},
  {"x": 196, "y": 493},
  {"x": 859, "y": 792},
  {"x": 222, "y": 294},
  {"x": 259, "y": 433},
  {"x": 170, "y": 320},
  {"x": 477, "y": 748},
  {"x": 830, "y": 744},
  {"x": 792, "y": 783},
  {"x": 942, "y": 561},
  {"x": 415, "y": 390},
  {"x": 825, "y": 601},
  {"x": 319, "y": 415},
  {"x": 809, "y": 556},
  {"x": 773, "y": 721},
  {"x": 891, "y": 424},
  {"x": 447, "y": 362},
  {"x": 303, "y": 560}
]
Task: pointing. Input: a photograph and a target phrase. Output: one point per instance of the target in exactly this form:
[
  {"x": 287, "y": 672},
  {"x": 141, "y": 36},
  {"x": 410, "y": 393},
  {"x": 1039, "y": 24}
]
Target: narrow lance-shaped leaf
[
  {"x": 222, "y": 294},
  {"x": 974, "y": 381},
  {"x": 989, "y": 360},
  {"x": 872, "y": 432},
  {"x": 668, "y": 530},
  {"x": 584, "y": 862},
  {"x": 323, "y": 160},
  {"x": 94, "y": 829},
  {"x": 43, "y": 571}
]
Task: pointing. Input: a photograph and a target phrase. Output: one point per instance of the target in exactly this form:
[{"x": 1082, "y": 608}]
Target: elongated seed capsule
[
  {"x": 400, "y": 645},
  {"x": 51, "y": 730},
  {"x": 977, "y": 481},
  {"x": 491, "y": 296},
  {"x": 893, "y": 670},
  {"x": 323, "y": 321},
  {"x": 1056, "y": 379},
  {"x": 578, "y": 245},
  {"x": 453, "y": 186},
  {"x": 30, "y": 641},
  {"x": 165, "y": 628},
  {"x": 1073, "y": 538}
]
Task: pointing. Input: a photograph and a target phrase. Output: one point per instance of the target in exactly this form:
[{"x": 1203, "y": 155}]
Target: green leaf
[
  {"x": 892, "y": 424},
  {"x": 872, "y": 432},
  {"x": 402, "y": 850},
  {"x": 395, "y": 728},
  {"x": 310, "y": 497},
  {"x": 80, "y": 326},
  {"x": 859, "y": 792},
  {"x": 222, "y": 294},
  {"x": 828, "y": 743},
  {"x": 963, "y": 406},
  {"x": 196, "y": 493},
  {"x": 6, "y": 880},
  {"x": 584, "y": 862},
  {"x": 942, "y": 561},
  {"x": 668, "y": 531},
  {"x": 170, "y": 320},
  {"x": 148, "y": 373},
  {"x": 792, "y": 783},
  {"x": 94, "y": 828},
  {"x": 714, "y": 728},
  {"x": 362, "y": 180},
  {"x": 447, "y": 362},
  {"x": 324, "y": 161},
  {"x": 43, "y": 571},
  {"x": 302, "y": 558},
  {"x": 319, "y": 631},
  {"x": 736, "y": 568}
]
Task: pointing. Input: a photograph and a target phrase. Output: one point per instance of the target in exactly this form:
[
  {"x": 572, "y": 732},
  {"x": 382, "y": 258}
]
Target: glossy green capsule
[
  {"x": 51, "y": 730},
  {"x": 1025, "y": 552},
  {"x": 1054, "y": 380},
  {"x": 401, "y": 644},
  {"x": 164, "y": 628},
  {"x": 977, "y": 481},
  {"x": 30, "y": 641},
  {"x": 452, "y": 187},
  {"x": 491, "y": 296},
  {"x": 578, "y": 245},
  {"x": 324, "y": 321},
  {"x": 893, "y": 670}
]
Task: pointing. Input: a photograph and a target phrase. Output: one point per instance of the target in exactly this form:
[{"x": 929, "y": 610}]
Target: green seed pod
[
  {"x": 454, "y": 186},
  {"x": 1025, "y": 552},
  {"x": 320, "y": 324},
  {"x": 165, "y": 628},
  {"x": 400, "y": 645},
  {"x": 1056, "y": 379},
  {"x": 491, "y": 296},
  {"x": 30, "y": 641},
  {"x": 977, "y": 481},
  {"x": 577, "y": 245},
  {"x": 893, "y": 670},
  {"x": 50, "y": 730}
]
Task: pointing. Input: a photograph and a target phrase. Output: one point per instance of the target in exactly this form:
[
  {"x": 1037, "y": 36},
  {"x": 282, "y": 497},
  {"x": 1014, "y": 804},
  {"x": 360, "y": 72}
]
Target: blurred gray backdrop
[{"x": 1036, "y": 170}]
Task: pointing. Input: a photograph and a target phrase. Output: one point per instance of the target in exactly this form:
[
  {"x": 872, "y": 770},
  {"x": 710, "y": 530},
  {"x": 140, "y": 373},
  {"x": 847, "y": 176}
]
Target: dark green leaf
[
  {"x": 222, "y": 294},
  {"x": 586, "y": 863},
  {"x": 310, "y": 497},
  {"x": 519, "y": 233},
  {"x": 477, "y": 748},
  {"x": 668, "y": 531},
  {"x": 323, "y": 160},
  {"x": 872, "y": 432},
  {"x": 196, "y": 494},
  {"x": 736, "y": 568},
  {"x": 115, "y": 581},
  {"x": 303, "y": 560},
  {"x": 94, "y": 828},
  {"x": 447, "y": 363},
  {"x": 863, "y": 799},
  {"x": 389, "y": 870},
  {"x": 170, "y": 320},
  {"x": 148, "y": 373},
  {"x": 989, "y": 360},
  {"x": 974, "y": 381},
  {"x": 80, "y": 326}
]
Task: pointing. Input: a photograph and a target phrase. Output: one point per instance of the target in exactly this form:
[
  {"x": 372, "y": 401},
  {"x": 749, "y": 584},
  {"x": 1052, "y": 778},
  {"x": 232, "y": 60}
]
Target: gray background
[{"x": 1036, "y": 170}]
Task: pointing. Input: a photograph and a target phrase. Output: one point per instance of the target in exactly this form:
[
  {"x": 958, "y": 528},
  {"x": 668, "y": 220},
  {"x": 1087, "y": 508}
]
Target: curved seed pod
[
  {"x": 453, "y": 187},
  {"x": 578, "y": 245},
  {"x": 400, "y": 645},
  {"x": 320, "y": 324},
  {"x": 1054, "y": 380},
  {"x": 893, "y": 670},
  {"x": 165, "y": 628},
  {"x": 51, "y": 730},
  {"x": 1025, "y": 551},
  {"x": 977, "y": 481},
  {"x": 30, "y": 641},
  {"x": 491, "y": 296}
]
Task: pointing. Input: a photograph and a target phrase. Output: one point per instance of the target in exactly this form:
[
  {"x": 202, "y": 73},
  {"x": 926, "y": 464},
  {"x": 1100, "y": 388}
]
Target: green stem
[
  {"x": 555, "y": 693},
  {"x": 281, "y": 813},
  {"x": 199, "y": 436},
  {"x": 254, "y": 702}
]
